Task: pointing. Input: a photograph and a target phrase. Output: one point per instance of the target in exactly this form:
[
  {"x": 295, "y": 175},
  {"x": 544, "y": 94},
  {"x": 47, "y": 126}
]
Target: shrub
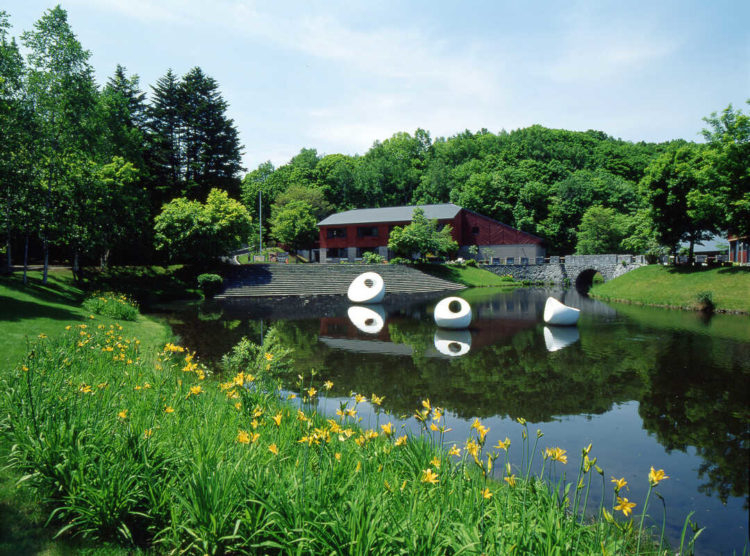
[
  {"x": 111, "y": 304},
  {"x": 210, "y": 284},
  {"x": 400, "y": 260},
  {"x": 472, "y": 263},
  {"x": 705, "y": 301},
  {"x": 372, "y": 258}
]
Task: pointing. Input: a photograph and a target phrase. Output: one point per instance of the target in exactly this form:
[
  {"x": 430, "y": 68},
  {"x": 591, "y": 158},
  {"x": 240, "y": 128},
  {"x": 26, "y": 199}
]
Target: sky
[{"x": 338, "y": 75}]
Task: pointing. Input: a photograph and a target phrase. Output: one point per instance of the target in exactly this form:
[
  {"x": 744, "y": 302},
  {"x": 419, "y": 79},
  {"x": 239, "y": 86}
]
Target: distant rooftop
[{"x": 444, "y": 211}]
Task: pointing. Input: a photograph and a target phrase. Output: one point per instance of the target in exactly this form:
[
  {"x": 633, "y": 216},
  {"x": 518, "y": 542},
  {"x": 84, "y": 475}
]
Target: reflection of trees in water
[
  {"x": 682, "y": 403},
  {"x": 517, "y": 378},
  {"x": 686, "y": 406}
]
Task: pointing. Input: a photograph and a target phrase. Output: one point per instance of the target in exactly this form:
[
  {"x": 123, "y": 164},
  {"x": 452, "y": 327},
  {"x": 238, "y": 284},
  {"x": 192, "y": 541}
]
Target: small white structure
[
  {"x": 453, "y": 312},
  {"x": 368, "y": 287},
  {"x": 557, "y": 313},
  {"x": 452, "y": 343},
  {"x": 557, "y": 337},
  {"x": 369, "y": 320}
]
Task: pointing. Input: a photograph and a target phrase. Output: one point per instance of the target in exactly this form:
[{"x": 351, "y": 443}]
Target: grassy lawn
[
  {"x": 468, "y": 276},
  {"x": 680, "y": 286},
  {"x": 25, "y": 313}
]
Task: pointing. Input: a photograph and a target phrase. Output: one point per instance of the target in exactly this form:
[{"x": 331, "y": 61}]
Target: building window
[
  {"x": 337, "y": 253},
  {"x": 335, "y": 232},
  {"x": 367, "y": 231},
  {"x": 475, "y": 230}
]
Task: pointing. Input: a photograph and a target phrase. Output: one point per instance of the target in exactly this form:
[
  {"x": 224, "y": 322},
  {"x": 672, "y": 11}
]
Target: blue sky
[{"x": 336, "y": 76}]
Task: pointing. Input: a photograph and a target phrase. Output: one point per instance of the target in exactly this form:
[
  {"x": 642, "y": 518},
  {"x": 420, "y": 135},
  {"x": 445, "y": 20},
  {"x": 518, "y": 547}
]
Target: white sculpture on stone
[
  {"x": 558, "y": 337},
  {"x": 369, "y": 320},
  {"x": 368, "y": 287},
  {"x": 453, "y": 312},
  {"x": 557, "y": 313},
  {"x": 453, "y": 343}
]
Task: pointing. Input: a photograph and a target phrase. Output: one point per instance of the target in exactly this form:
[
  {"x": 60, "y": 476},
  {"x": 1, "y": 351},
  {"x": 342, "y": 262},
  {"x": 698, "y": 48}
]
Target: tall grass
[{"x": 153, "y": 452}]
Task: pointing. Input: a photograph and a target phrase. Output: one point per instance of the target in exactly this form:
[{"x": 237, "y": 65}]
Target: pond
[{"x": 647, "y": 387}]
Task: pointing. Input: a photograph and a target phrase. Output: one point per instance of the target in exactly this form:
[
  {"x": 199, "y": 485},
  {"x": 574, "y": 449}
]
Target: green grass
[
  {"x": 679, "y": 287},
  {"x": 468, "y": 276},
  {"x": 25, "y": 313}
]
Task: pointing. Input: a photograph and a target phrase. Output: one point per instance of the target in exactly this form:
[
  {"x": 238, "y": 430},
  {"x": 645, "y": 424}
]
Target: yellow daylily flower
[
  {"x": 429, "y": 476},
  {"x": 243, "y": 437},
  {"x": 625, "y": 506},
  {"x": 655, "y": 477}
]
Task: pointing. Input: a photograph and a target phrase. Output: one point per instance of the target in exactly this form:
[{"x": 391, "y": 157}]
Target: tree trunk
[
  {"x": 76, "y": 275},
  {"x": 48, "y": 210},
  {"x": 8, "y": 241},
  {"x": 25, "y": 257},
  {"x": 691, "y": 250}
]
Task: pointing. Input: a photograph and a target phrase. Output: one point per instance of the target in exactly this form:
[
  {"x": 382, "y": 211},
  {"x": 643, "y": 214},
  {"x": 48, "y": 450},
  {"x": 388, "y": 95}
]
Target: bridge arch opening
[{"x": 586, "y": 279}]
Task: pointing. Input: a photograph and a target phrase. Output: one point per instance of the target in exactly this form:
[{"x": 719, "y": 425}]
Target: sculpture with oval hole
[
  {"x": 453, "y": 343},
  {"x": 453, "y": 312},
  {"x": 368, "y": 287},
  {"x": 369, "y": 320},
  {"x": 558, "y": 313}
]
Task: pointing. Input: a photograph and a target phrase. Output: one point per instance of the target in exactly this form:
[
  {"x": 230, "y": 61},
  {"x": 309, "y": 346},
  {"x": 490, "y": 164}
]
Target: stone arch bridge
[{"x": 577, "y": 270}]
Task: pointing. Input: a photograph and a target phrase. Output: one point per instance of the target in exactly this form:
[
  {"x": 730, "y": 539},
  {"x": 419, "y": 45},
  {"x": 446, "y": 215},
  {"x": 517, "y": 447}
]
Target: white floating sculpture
[
  {"x": 453, "y": 312},
  {"x": 368, "y": 287},
  {"x": 557, "y": 337},
  {"x": 369, "y": 320},
  {"x": 453, "y": 343},
  {"x": 557, "y": 313}
]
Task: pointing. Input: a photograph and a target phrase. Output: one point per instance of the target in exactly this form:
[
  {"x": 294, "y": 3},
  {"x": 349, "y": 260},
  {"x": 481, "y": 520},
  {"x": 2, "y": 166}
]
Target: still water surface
[{"x": 645, "y": 386}]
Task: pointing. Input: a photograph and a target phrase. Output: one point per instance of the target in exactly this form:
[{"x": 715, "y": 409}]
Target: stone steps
[{"x": 280, "y": 280}]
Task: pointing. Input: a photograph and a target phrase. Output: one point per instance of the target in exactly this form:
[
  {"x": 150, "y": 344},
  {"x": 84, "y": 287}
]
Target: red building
[
  {"x": 348, "y": 235},
  {"x": 738, "y": 249}
]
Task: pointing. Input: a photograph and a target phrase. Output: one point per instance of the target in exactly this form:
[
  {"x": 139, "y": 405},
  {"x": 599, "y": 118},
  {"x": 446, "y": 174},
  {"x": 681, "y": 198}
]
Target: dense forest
[{"x": 88, "y": 171}]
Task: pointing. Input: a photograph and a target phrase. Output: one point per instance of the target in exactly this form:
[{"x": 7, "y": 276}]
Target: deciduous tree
[{"x": 421, "y": 236}]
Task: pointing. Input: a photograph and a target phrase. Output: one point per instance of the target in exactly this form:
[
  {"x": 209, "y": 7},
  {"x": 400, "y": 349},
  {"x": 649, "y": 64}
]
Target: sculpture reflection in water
[
  {"x": 558, "y": 337},
  {"x": 453, "y": 343},
  {"x": 369, "y": 320}
]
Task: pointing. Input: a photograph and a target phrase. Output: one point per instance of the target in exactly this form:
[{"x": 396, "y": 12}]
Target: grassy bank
[
  {"x": 680, "y": 287},
  {"x": 26, "y": 313},
  {"x": 468, "y": 276},
  {"x": 37, "y": 308}
]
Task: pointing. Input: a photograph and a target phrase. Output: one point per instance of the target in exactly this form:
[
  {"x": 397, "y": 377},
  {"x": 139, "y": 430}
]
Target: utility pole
[{"x": 260, "y": 223}]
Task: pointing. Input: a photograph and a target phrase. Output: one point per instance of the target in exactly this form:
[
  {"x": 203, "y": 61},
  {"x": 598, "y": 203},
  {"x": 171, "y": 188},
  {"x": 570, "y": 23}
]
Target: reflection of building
[
  {"x": 348, "y": 235},
  {"x": 341, "y": 333},
  {"x": 738, "y": 249}
]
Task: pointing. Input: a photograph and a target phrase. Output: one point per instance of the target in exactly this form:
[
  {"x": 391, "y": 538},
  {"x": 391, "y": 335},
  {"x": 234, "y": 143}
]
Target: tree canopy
[
  {"x": 421, "y": 236},
  {"x": 191, "y": 231},
  {"x": 77, "y": 156}
]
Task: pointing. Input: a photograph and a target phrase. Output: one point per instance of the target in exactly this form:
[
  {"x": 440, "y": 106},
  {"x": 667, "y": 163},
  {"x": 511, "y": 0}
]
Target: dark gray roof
[{"x": 445, "y": 211}]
